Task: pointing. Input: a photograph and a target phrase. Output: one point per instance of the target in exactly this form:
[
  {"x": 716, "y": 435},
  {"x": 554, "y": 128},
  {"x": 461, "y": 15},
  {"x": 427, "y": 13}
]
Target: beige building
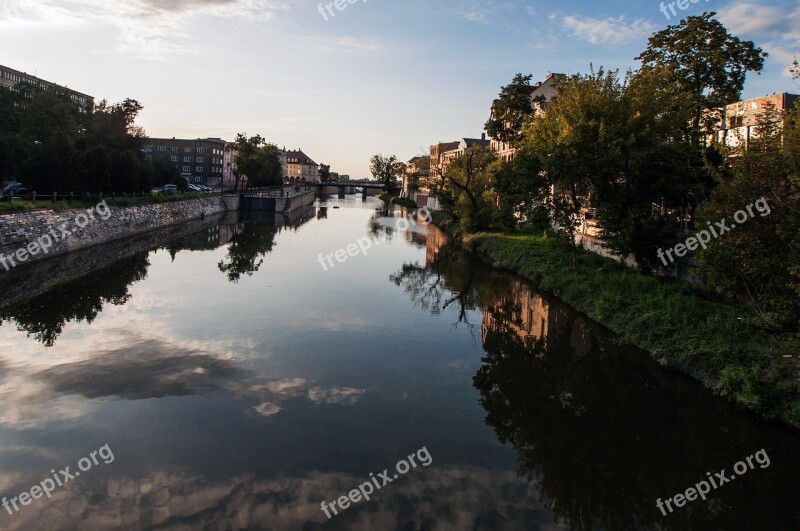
[
  {"x": 11, "y": 78},
  {"x": 738, "y": 120},
  {"x": 300, "y": 167},
  {"x": 417, "y": 171}
]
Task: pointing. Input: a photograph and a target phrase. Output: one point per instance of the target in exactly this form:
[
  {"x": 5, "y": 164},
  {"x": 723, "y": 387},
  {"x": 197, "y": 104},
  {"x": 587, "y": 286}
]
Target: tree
[
  {"x": 258, "y": 160},
  {"x": 510, "y": 110},
  {"x": 706, "y": 62},
  {"x": 758, "y": 260},
  {"x": 472, "y": 177},
  {"x": 521, "y": 188},
  {"x": 324, "y": 173},
  {"x": 385, "y": 170}
]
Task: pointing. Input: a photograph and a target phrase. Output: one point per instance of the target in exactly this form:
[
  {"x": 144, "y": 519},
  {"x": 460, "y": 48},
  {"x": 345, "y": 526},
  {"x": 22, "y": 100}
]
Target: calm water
[{"x": 238, "y": 385}]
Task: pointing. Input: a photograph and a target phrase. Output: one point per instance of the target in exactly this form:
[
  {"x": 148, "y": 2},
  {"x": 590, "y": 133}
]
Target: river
[{"x": 226, "y": 378}]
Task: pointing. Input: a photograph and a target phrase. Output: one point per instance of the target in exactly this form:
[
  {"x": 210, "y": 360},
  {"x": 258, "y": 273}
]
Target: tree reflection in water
[
  {"x": 247, "y": 249},
  {"x": 600, "y": 428},
  {"x": 45, "y": 316}
]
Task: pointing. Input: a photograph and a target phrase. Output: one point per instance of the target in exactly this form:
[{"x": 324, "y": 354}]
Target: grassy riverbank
[
  {"x": 7, "y": 207},
  {"x": 722, "y": 345}
]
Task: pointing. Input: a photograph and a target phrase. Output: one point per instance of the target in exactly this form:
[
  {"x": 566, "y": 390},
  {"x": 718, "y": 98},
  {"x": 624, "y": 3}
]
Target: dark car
[
  {"x": 170, "y": 189},
  {"x": 15, "y": 188}
]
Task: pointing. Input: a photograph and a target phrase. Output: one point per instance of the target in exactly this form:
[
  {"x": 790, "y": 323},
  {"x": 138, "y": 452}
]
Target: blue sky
[{"x": 380, "y": 76}]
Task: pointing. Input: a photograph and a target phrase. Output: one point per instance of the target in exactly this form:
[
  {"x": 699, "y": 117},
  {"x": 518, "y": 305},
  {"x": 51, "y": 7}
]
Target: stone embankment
[{"x": 20, "y": 230}]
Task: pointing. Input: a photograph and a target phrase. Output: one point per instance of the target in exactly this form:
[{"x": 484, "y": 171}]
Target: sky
[{"x": 379, "y": 76}]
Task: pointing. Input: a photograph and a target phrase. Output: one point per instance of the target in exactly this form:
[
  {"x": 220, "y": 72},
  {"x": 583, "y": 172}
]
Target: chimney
[{"x": 483, "y": 136}]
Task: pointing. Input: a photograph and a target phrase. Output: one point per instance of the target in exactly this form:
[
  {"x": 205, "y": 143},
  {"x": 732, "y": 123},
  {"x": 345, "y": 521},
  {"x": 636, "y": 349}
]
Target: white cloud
[
  {"x": 610, "y": 30},
  {"x": 146, "y": 28},
  {"x": 754, "y": 19}
]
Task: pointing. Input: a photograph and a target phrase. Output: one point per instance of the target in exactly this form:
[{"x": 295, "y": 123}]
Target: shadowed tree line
[{"x": 49, "y": 145}]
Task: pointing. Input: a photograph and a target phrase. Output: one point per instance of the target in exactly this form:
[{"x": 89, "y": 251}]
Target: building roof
[
  {"x": 298, "y": 157},
  {"x": 469, "y": 142}
]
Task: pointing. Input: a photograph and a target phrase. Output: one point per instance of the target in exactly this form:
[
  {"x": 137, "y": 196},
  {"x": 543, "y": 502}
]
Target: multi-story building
[
  {"x": 300, "y": 167},
  {"x": 229, "y": 169},
  {"x": 738, "y": 120},
  {"x": 417, "y": 171},
  {"x": 542, "y": 93},
  {"x": 11, "y": 78},
  {"x": 200, "y": 161}
]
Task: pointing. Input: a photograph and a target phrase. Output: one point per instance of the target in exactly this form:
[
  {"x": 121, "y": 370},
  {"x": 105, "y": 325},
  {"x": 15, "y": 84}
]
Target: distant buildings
[
  {"x": 738, "y": 120},
  {"x": 11, "y": 78},
  {"x": 300, "y": 167},
  {"x": 417, "y": 171},
  {"x": 200, "y": 161}
]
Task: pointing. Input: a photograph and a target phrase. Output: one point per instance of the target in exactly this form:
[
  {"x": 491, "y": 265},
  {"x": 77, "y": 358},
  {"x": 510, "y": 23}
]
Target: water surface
[{"x": 239, "y": 384}]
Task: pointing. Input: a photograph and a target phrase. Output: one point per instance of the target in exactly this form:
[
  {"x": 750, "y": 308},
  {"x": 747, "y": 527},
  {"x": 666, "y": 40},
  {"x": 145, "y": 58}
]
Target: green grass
[
  {"x": 6, "y": 207},
  {"x": 682, "y": 326}
]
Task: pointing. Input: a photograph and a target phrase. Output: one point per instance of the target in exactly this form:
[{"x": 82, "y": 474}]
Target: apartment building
[
  {"x": 11, "y": 78},
  {"x": 738, "y": 120},
  {"x": 200, "y": 161}
]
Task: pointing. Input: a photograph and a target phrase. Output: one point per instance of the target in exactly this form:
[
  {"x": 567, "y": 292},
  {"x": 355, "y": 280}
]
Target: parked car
[
  {"x": 205, "y": 188},
  {"x": 170, "y": 189},
  {"x": 194, "y": 188},
  {"x": 16, "y": 188}
]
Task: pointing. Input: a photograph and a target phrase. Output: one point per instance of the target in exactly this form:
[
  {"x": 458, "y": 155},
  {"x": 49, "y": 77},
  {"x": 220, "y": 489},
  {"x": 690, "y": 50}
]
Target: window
[
  {"x": 199, "y": 169},
  {"x": 174, "y": 159},
  {"x": 201, "y": 150},
  {"x": 148, "y": 157},
  {"x": 187, "y": 169},
  {"x": 174, "y": 149},
  {"x": 162, "y": 149},
  {"x": 199, "y": 159},
  {"x": 148, "y": 149},
  {"x": 187, "y": 159},
  {"x": 187, "y": 150},
  {"x": 198, "y": 179}
]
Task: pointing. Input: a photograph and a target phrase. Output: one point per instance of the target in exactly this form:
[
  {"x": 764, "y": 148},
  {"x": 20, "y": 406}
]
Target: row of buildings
[
  {"x": 736, "y": 126},
  {"x": 206, "y": 161},
  {"x": 211, "y": 161}
]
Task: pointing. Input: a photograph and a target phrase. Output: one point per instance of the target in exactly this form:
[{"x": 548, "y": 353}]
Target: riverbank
[
  {"x": 722, "y": 345},
  {"x": 26, "y": 237}
]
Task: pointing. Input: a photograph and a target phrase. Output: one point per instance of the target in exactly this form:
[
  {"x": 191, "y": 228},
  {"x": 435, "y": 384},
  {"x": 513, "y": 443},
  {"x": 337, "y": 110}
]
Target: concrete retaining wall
[{"x": 24, "y": 234}]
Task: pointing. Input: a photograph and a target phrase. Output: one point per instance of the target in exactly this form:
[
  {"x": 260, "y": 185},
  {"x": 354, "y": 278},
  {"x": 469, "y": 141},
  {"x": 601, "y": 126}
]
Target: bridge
[{"x": 349, "y": 188}]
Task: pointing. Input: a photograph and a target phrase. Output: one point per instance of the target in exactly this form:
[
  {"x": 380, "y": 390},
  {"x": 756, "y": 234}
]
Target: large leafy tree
[
  {"x": 258, "y": 160},
  {"x": 617, "y": 146},
  {"x": 521, "y": 187},
  {"x": 510, "y": 110},
  {"x": 706, "y": 62},
  {"x": 571, "y": 142},
  {"x": 472, "y": 176},
  {"x": 386, "y": 170},
  {"x": 324, "y": 173}
]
